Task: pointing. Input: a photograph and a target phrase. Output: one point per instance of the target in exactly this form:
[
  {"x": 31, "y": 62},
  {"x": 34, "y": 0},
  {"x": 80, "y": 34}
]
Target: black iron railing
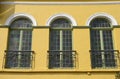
[
  {"x": 19, "y": 59},
  {"x": 62, "y": 59},
  {"x": 117, "y": 76},
  {"x": 105, "y": 58}
]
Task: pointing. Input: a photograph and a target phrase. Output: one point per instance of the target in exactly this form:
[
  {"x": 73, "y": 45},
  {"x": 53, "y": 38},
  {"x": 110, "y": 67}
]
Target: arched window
[
  {"x": 102, "y": 51},
  {"x": 19, "y": 53},
  {"x": 60, "y": 54}
]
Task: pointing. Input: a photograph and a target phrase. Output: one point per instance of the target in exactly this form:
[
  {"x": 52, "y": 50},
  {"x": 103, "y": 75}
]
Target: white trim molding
[
  {"x": 60, "y": 3},
  {"x": 19, "y": 15},
  {"x": 104, "y": 15},
  {"x": 61, "y": 15}
]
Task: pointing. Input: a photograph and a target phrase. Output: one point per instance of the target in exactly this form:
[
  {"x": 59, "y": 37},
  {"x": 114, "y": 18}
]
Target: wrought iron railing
[
  {"x": 117, "y": 76},
  {"x": 62, "y": 59},
  {"x": 105, "y": 58},
  {"x": 19, "y": 59}
]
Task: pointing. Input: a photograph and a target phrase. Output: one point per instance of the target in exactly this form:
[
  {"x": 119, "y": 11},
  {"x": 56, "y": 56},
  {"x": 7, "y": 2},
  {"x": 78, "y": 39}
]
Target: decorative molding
[
  {"x": 60, "y": 3},
  {"x": 104, "y": 15},
  {"x": 18, "y": 15},
  {"x": 53, "y": 17}
]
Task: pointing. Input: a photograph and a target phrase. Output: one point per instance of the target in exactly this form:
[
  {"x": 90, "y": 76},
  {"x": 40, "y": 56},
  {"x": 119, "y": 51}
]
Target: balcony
[
  {"x": 62, "y": 59},
  {"x": 105, "y": 58},
  {"x": 19, "y": 59}
]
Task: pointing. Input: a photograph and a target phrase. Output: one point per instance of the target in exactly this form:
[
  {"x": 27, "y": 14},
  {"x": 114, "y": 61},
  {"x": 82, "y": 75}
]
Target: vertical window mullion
[
  {"x": 61, "y": 48},
  {"x": 20, "y": 48},
  {"x": 20, "y": 41},
  {"x": 102, "y": 48}
]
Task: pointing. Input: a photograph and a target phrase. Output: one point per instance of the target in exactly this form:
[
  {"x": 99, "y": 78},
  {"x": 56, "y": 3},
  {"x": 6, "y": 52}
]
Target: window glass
[
  {"x": 19, "y": 44},
  {"x": 61, "y": 54},
  {"x": 102, "y": 52}
]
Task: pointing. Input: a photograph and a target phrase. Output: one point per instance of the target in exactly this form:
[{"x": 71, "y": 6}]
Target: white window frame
[
  {"x": 20, "y": 15},
  {"x": 102, "y": 14},
  {"x": 61, "y": 15}
]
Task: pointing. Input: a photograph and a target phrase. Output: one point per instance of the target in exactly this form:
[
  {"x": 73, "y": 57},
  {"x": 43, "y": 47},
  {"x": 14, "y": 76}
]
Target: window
[
  {"x": 61, "y": 54},
  {"x": 19, "y": 52},
  {"x": 102, "y": 51}
]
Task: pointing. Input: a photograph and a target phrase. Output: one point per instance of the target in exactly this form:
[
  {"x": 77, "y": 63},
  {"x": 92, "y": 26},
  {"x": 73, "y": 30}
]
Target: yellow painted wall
[
  {"x": 3, "y": 42},
  {"x": 40, "y": 41},
  {"x": 41, "y": 46},
  {"x": 81, "y": 42},
  {"x": 116, "y": 37},
  {"x": 42, "y": 13},
  {"x": 57, "y": 76}
]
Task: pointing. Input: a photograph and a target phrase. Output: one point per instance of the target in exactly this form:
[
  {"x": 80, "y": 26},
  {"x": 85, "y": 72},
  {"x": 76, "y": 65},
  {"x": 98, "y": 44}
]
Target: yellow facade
[{"x": 81, "y": 12}]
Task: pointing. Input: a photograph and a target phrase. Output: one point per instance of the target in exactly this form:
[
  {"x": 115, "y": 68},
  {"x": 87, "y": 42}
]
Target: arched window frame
[
  {"x": 102, "y": 15},
  {"x": 95, "y": 56},
  {"x": 20, "y": 15},
  {"x": 22, "y": 57},
  {"x": 61, "y": 51},
  {"x": 61, "y": 15}
]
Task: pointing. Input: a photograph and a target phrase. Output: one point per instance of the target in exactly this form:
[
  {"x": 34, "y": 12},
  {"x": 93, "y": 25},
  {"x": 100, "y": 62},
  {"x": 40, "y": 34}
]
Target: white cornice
[{"x": 61, "y": 3}]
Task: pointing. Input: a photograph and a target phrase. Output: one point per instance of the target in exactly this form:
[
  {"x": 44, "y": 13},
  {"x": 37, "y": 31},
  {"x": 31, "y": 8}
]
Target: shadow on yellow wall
[{"x": 5, "y": 12}]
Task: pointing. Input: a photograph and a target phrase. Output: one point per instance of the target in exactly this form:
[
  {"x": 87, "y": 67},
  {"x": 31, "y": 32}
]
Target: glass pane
[
  {"x": 67, "y": 40},
  {"x": 109, "y": 59},
  {"x": 61, "y": 22},
  {"x": 108, "y": 45},
  {"x": 54, "y": 59},
  {"x": 11, "y": 60},
  {"x": 14, "y": 37},
  {"x": 67, "y": 45},
  {"x": 21, "y": 23},
  {"x": 107, "y": 38},
  {"x": 54, "y": 45},
  {"x": 67, "y": 59},
  {"x": 26, "y": 40},
  {"x": 100, "y": 22},
  {"x": 95, "y": 40},
  {"x": 25, "y": 59},
  {"x": 54, "y": 40},
  {"x": 96, "y": 58}
]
